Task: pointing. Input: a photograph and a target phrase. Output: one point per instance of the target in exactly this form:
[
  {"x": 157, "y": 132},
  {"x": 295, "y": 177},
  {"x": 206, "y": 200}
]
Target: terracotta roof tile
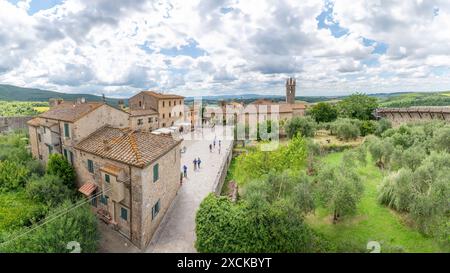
[
  {"x": 111, "y": 169},
  {"x": 34, "y": 122},
  {"x": 70, "y": 111},
  {"x": 163, "y": 96},
  {"x": 87, "y": 188},
  {"x": 135, "y": 148}
]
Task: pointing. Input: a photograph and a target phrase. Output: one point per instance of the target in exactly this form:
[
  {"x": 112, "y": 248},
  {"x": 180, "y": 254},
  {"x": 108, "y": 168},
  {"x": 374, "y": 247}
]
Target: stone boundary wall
[
  {"x": 222, "y": 174},
  {"x": 414, "y": 114},
  {"x": 8, "y": 124}
]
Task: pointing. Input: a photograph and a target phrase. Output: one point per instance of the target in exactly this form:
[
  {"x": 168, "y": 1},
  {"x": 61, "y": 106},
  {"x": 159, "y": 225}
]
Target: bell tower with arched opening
[{"x": 290, "y": 90}]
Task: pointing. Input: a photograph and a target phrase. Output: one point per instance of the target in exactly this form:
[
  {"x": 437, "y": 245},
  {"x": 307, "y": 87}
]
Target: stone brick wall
[
  {"x": 84, "y": 176},
  {"x": 221, "y": 175},
  {"x": 164, "y": 189},
  {"x": 146, "y": 125},
  {"x": 169, "y": 113},
  {"x": 13, "y": 123},
  {"x": 414, "y": 114}
]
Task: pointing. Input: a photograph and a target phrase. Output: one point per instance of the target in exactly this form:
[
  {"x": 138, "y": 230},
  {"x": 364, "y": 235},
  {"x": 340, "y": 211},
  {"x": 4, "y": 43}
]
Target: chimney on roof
[
  {"x": 81, "y": 100},
  {"x": 121, "y": 104},
  {"x": 52, "y": 102}
]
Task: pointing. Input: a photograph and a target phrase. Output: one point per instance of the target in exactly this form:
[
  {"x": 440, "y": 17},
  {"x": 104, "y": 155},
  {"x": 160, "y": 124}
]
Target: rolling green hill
[
  {"x": 416, "y": 99},
  {"x": 14, "y": 93}
]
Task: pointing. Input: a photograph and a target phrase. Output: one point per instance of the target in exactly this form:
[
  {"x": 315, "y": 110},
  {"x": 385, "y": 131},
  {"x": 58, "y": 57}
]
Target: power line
[{"x": 56, "y": 216}]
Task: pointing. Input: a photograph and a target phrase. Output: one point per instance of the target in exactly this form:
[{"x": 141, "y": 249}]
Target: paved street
[{"x": 176, "y": 232}]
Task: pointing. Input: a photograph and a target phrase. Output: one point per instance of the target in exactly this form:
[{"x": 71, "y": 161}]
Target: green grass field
[{"x": 372, "y": 222}]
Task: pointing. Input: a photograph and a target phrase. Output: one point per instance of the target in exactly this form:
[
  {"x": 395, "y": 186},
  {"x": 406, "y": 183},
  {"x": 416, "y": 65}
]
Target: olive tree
[
  {"x": 303, "y": 126},
  {"x": 339, "y": 189}
]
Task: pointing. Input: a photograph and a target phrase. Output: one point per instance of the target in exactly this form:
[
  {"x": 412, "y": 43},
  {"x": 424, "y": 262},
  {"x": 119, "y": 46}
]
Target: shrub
[
  {"x": 17, "y": 210},
  {"x": 59, "y": 166},
  {"x": 441, "y": 139},
  {"x": 269, "y": 129},
  {"x": 323, "y": 112},
  {"x": 73, "y": 224},
  {"x": 381, "y": 126},
  {"x": 303, "y": 126},
  {"x": 48, "y": 189},
  {"x": 35, "y": 167},
  {"x": 12, "y": 175},
  {"x": 224, "y": 227},
  {"x": 357, "y": 106},
  {"x": 423, "y": 193},
  {"x": 367, "y": 127},
  {"x": 257, "y": 163},
  {"x": 345, "y": 129}
]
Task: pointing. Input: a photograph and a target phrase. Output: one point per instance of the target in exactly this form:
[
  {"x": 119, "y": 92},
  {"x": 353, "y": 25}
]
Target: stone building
[
  {"x": 145, "y": 119},
  {"x": 129, "y": 174},
  {"x": 131, "y": 178},
  {"x": 169, "y": 107},
  {"x": 66, "y": 123},
  {"x": 264, "y": 109}
]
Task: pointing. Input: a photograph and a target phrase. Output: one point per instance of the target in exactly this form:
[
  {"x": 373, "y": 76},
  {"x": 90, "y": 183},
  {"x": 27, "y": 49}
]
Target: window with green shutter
[
  {"x": 104, "y": 199},
  {"x": 65, "y": 153},
  {"x": 90, "y": 166},
  {"x": 66, "y": 130},
  {"x": 107, "y": 178},
  {"x": 155, "y": 172},
  {"x": 124, "y": 214}
]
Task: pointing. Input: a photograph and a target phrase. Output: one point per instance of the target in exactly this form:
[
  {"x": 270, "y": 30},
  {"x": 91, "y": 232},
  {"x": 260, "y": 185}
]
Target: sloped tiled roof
[
  {"x": 34, "y": 122},
  {"x": 88, "y": 188},
  {"x": 163, "y": 96},
  {"x": 263, "y": 102},
  {"x": 70, "y": 111},
  {"x": 135, "y": 148},
  {"x": 111, "y": 169},
  {"x": 42, "y": 122}
]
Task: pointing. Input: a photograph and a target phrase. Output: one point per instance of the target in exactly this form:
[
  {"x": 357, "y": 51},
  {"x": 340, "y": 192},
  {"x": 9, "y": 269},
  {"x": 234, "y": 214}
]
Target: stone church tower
[{"x": 290, "y": 90}]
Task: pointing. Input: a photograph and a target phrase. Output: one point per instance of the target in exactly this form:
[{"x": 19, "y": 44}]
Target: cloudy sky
[{"x": 215, "y": 47}]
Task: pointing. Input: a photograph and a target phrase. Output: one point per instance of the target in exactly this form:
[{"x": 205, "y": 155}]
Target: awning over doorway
[{"x": 88, "y": 188}]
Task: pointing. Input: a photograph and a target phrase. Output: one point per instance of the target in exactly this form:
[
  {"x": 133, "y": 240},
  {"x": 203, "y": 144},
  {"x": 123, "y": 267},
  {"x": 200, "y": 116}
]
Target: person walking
[
  {"x": 198, "y": 162},
  {"x": 214, "y": 143},
  {"x": 210, "y": 148},
  {"x": 185, "y": 171},
  {"x": 195, "y": 164}
]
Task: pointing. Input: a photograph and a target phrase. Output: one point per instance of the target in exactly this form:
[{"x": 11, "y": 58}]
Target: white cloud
[{"x": 235, "y": 46}]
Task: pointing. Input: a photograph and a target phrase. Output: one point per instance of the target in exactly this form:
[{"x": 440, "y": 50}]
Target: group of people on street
[
  {"x": 213, "y": 145},
  {"x": 197, "y": 161}
]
